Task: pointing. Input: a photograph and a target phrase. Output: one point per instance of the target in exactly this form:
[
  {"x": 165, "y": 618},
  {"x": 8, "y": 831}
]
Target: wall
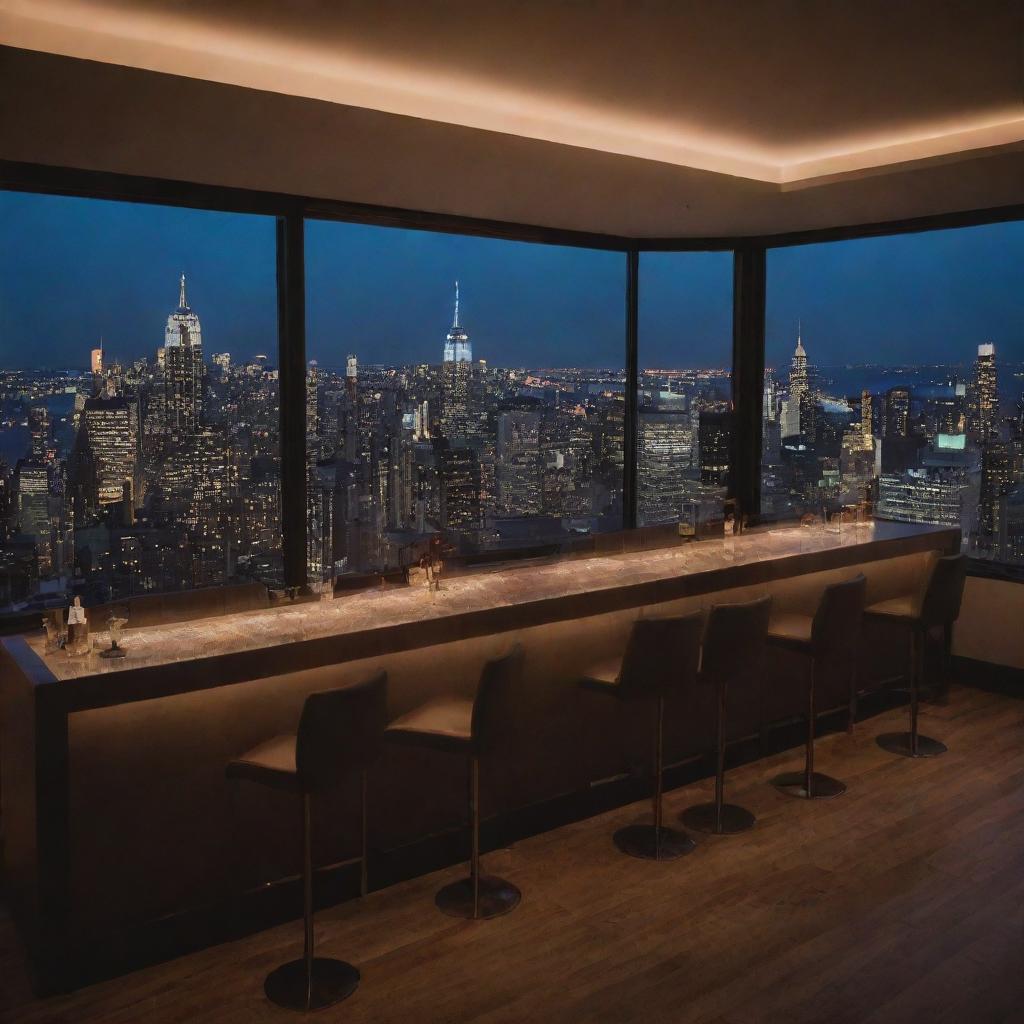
[{"x": 991, "y": 625}]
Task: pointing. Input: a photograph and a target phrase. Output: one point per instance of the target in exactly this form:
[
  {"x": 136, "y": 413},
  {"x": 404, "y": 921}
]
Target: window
[
  {"x": 459, "y": 387},
  {"x": 895, "y": 373},
  {"x": 685, "y": 387},
  {"x": 138, "y": 400}
]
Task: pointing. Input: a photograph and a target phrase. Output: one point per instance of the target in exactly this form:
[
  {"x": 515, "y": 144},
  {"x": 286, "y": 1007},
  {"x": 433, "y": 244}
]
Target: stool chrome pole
[
  {"x": 809, "y": 784},
  {"x": 310, "y": 983},
  {"x": 655, "y": 842}
]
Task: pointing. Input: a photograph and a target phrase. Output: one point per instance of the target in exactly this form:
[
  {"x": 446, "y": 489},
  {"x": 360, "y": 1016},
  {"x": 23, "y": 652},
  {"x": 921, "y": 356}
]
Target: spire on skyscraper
[
  {"x": 457, "y": 348},
  {"x": 182, "y": 304},
  {"x": 799, "y": 340}
]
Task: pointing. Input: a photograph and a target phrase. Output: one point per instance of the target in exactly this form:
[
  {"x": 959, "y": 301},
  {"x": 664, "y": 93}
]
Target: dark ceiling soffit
[{"x": 29, "y": 177}]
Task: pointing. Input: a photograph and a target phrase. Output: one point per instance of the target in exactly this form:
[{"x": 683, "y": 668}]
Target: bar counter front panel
[{"x": 116, "y": 813}]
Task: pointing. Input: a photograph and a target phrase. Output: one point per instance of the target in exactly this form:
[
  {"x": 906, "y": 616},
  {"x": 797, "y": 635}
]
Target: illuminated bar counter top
[{"x": 119, "y": 843}]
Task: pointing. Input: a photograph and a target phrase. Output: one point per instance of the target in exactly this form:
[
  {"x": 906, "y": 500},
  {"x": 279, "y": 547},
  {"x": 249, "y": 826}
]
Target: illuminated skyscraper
[
  {"x": 665, "y": 456},
  {"x": 32, "y": 509},
  {"x": 519, "y": 466},
  {"x": 799, "y": 391},
  {"x": 456, "y": 378},
  {"x": 457, "y": 346},
  {"x": 351, "y": 378},
  {"x": 41, "y": 431},
  {"x": 984, "y": 406},
  {"x": 111, "y": 426},
  {"x": 713, "y": 444},
  {"x": 897, "y": 412},
  {"x": 866, "y": 425},
  {"x": 183, "y": 369}
]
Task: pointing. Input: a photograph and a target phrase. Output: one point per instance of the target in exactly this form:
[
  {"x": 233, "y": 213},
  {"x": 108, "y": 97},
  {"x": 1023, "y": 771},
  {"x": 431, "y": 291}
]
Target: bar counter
[{"x": 119, "y": 843}]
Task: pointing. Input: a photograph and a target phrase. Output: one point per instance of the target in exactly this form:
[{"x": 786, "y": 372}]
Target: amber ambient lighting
[{"x": 179, "y": 42}]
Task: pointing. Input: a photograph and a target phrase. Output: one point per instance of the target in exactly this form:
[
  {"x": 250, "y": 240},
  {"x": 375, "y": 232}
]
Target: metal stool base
[
  {"x": 649, "y": 843},
  {"x": 823, "y": 787},
  {"x": 333, "y": 980},
  {"x": 900, "y": 743},
  {"x": 702, "y": 818},
  {"x": 497, "y": 897}
]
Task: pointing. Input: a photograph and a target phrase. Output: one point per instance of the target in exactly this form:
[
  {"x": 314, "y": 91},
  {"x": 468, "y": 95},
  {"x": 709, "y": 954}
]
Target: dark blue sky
[{"x": 74, "y": 269}]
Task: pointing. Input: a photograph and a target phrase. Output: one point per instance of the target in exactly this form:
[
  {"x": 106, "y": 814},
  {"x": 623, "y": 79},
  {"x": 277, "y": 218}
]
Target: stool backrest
[
  {"x": 944, "y": 591},
  {"x": 734, "y": 640},
  {"x": 661, "y": 656},
  {"x": 341, "y": 732},
  {"x": 837, "y": 628},
  {"x": 499, "y": 679}
]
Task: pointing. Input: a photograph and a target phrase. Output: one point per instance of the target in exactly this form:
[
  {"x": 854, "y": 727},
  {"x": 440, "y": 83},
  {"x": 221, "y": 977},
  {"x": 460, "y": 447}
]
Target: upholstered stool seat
[
  {"x": 790, "y": 629},
  {"x": 270, "y": 764},
  {"x": 602, "y": 676},
  {"x": 445, "y": 723}
]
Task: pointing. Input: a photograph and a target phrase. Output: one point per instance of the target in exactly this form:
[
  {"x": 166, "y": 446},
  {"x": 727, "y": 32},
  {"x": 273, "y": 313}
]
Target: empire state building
[
  {"x": 457, "y": 346},
  {"x": 183, "y": 368}
]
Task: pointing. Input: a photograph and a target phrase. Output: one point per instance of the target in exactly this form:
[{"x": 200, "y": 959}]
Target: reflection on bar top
[{"x": 370, "y": 609}]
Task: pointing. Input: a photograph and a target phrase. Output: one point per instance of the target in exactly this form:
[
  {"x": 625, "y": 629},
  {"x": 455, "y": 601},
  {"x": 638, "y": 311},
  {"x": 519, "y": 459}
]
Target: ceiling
[{"x": 783, "y": 95}]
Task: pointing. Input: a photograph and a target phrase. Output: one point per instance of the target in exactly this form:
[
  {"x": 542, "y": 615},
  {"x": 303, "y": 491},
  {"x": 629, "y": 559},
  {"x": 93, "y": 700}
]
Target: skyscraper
[
  {"x": 111, "y": 426},
  {"x": 456, "y": 377},
  {"x": 457, "y": 346},
  {"x": 665, "y": 457},
  {"x": 897, "y": 412},
  {"x": 713, "y": 443},
  {"x": 799, "y": 390},
  {"x": 41, "y": 430},
  {"x": 519, "y": 468},
  {"x": 984, "y": 406},
  {"x": 183, "y": 369}
]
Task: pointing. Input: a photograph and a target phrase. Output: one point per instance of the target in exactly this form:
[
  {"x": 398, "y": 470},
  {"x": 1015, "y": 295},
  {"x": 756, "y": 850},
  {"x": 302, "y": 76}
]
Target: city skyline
[{"x": 69, "y": 275}]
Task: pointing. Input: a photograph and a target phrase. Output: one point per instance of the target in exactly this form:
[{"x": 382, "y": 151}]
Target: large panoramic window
[
  {"x": 895, "y": 376},
  {"x": 685, "y": 387},
  {"x": 460, "y": 390},
  {"x": 138, "y": 400}
]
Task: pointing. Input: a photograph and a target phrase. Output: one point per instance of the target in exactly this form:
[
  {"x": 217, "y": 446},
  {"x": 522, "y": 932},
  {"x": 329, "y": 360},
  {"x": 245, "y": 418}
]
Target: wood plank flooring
[{"x": 900, "y": 902}]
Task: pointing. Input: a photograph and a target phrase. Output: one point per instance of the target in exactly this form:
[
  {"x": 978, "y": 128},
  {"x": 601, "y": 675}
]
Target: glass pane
[
  {"x": 138, "y": 402},
  {"x": 465, "y": 390},
  {"x": 896, "y": 375},
  {"x": 685, "y": 387}
]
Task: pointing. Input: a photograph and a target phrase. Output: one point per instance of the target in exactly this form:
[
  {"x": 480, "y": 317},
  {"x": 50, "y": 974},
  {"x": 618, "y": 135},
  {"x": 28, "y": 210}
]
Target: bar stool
[
  {"x": 340, "y": 733},
  {"x": 470, "y": 728},
  {"x": 937, "y": 605},
  {"x": 831, "y": 640},
  {"x": 660, "y": 659},
  {"x": 733, "y": 650}
]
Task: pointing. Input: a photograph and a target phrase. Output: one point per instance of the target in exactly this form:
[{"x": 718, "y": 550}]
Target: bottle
[{"x": 78, "y": 629}]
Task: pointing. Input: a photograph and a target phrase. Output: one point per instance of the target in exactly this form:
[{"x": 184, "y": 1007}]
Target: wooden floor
[{"x": 902, "y": 901}]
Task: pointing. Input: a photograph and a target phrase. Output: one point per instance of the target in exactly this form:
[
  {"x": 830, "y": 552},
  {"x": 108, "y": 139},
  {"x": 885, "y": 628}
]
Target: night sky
[{"x": 72, "y": 270}]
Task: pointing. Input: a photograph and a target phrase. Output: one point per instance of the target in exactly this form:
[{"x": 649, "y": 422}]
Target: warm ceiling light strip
[{"x": 177, "y": 43}]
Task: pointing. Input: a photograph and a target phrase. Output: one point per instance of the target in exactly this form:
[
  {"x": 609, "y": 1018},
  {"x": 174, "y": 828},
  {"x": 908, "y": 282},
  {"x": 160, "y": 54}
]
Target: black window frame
[{"x": 291, "y": 212}]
